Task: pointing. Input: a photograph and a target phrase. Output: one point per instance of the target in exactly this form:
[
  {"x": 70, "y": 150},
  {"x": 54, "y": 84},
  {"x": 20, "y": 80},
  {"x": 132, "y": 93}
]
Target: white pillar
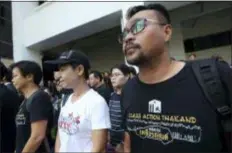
[
  {"x": 123, "y": 22},
  {"x": 21, "y": 10},
  {"x": 176, "y": 46}
]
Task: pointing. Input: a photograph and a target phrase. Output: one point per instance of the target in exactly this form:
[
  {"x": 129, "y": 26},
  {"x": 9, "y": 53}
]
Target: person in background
[
  {"x": 120, "y": 74},
  {"x": 34, "y": 118},
  {"x": 84, "y": 120},
  {"x": 218, "y": 57},
  {"x": 9, "y": 104},
  {"x": 95, "y": 80},
  {"x": 192, "y": 57},
  {"x": 8, "y": 83},
  {"x": 107, "y": 82}
]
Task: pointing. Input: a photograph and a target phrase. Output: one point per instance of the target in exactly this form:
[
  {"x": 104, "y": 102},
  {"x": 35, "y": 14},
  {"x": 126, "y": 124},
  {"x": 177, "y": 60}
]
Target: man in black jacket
[
  {"x": 95, "y": 79},
  {"x": 9, "y": 103}
]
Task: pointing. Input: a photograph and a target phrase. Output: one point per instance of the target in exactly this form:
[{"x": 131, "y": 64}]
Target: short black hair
[
  {"x": 123, "y": 68},
  {"x": 86, "y": 70},
  {"x": 97, "y": 74},
  {"x": 164, "y": 15},
  {"x": 29, "y": 68},
  {"x": 3, "y": 71}
]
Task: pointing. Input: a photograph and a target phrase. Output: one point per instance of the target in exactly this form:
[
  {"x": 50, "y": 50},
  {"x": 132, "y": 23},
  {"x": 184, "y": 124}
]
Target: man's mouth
[{"x": 130, "y": 51}]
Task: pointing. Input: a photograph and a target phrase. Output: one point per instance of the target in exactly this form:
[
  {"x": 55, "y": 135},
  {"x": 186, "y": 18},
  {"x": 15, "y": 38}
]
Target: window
[
  {"x": 209, "y": 41},
  {"x": 6, "y": 47}
]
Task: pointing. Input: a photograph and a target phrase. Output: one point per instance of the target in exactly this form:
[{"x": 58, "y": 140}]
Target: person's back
[{"x": 9, "y": 106}]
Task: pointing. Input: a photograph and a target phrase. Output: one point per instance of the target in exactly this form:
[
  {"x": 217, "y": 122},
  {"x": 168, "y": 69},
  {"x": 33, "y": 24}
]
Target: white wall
[
  {"x": 20, "y": 51},
  {"x": 176, "y": 46},
  {"x": 53, "y": 18},
  {"x": 6, "y": 61}
]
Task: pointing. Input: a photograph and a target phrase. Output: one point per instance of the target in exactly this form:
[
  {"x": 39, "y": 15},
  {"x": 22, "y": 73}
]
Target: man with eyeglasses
[{"x": 164, "y": 107}]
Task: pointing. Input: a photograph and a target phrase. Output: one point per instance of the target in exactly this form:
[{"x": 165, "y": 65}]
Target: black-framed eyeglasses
[{"x": 136, "y": 28}]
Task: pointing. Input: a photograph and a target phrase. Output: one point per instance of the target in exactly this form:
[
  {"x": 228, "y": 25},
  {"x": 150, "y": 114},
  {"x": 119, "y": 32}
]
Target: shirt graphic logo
[
  {"x": 20, "y": 119},
  {"x": 69, "y": 124},
  {"x": 154, "y": 106}
]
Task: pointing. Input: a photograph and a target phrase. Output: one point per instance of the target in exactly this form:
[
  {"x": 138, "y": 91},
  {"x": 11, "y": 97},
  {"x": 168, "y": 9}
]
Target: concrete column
[
  {"x": 21, "y": 10},
  {"x": 123, "y": 21},
  {"x": 176, "y": 46}
]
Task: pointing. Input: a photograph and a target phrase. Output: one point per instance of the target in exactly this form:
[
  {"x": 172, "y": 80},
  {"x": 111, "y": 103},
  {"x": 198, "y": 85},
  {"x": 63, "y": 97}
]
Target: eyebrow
[{"x": 132, "y": 23}]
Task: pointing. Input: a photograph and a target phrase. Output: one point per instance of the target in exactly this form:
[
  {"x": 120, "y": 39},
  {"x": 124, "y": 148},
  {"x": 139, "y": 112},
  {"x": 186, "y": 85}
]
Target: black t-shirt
[
  {"x": 171, "y": 116},
  {"x": 104, "y": 92},
  {"x": 35, "y": 108},
  {"x": 9, "y": 104}
]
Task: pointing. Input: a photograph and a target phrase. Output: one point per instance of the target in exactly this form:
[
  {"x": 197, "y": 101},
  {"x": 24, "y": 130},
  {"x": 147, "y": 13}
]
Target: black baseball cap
[{"x": 70, "y": 57}]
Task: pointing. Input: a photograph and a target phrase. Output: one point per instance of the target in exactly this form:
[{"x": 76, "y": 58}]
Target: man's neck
[
  {"x": 80, "y": 90},
  {"x": 29, "y": 90},
  {"x": 98, "y": 85},
  {"x": 159, "y": 69}
]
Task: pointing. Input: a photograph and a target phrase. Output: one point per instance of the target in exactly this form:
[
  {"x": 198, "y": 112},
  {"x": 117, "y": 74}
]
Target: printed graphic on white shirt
[
  {"x": 77, "y": 120},
  {"x": 69, "y": 124}
]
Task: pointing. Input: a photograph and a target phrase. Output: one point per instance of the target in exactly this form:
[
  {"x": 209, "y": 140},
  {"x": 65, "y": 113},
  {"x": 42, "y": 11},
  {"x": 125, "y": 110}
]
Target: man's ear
[
  {"x": 30, "y": 77},
  {"x": 80, "y": 70},
  {"x": 168, "y": 32}
]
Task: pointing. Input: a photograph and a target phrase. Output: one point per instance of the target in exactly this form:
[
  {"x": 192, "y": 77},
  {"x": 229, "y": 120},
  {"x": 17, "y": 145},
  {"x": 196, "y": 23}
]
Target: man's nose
[{"x": 129, "y": 37}]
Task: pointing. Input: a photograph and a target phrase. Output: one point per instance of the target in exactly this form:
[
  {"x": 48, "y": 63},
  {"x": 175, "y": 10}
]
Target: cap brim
[{"x": 54, "y": 64}]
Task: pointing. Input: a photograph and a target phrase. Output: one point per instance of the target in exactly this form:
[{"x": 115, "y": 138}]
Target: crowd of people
[{"x": 169, "y": 106}]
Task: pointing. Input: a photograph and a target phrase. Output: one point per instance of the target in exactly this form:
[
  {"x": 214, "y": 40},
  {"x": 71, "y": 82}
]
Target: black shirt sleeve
[
  {"x": 225, "y": 73},
  {"x": 123, "y": 111},
  {"x": 40, "y": 107},
  {"x": 2, "y": 93}
]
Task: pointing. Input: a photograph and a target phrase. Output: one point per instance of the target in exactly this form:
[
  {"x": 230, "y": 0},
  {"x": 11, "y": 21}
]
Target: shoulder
[
  {"x": 223, "y": 67},
  {"x": 225, "y": 73},
  {"x": 41, "y": 95},
  {"x": 94, "y": 98},
  {"x": 3, "y": 89},
  {"x": 113, "y": 94},
  {"x": 131, "y": 83},
  {"x": 40, "y": 99},
  {"x": 97, "y": 102},
  {"x": 9, "y": 94}
]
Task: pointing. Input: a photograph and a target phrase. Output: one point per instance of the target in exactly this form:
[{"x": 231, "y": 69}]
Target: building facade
[
  {"x": 43, "y": 30},
  {"x": 6, "y": 45}
]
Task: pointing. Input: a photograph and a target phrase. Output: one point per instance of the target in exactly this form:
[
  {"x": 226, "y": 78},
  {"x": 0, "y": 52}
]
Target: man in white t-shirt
[{"x": 84, "y": 120}]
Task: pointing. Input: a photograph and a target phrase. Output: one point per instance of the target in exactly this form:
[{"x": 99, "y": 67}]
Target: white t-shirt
[{"x": 78, "y": 119}]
